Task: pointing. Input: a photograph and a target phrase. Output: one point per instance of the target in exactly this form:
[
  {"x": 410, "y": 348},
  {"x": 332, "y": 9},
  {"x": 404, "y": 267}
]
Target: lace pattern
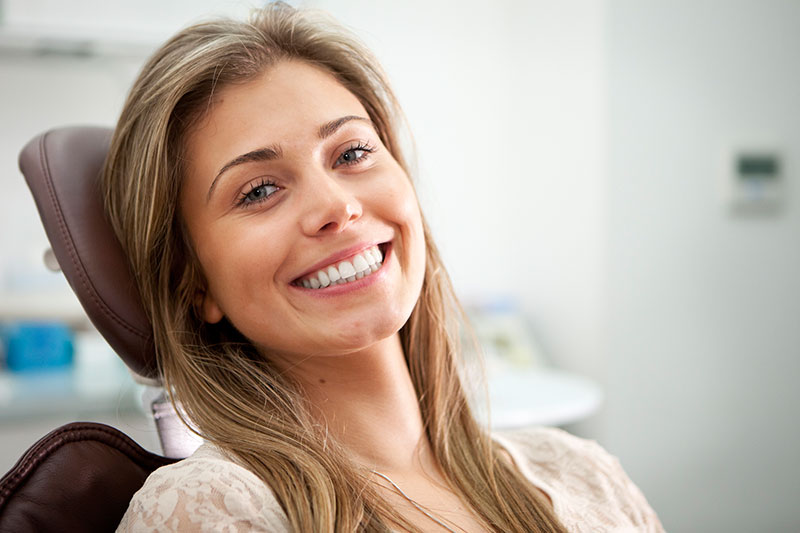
[
  {"x": 208, "y": 492},
  {"x": 588, "y": 487},
  {"x": 205, "y": 492}
]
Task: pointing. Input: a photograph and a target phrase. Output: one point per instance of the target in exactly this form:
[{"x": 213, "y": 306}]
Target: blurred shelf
[
  {"x": 31, "y": 395},
  {"x": 21, "y": 40},
  {"x": 541, "y": 396},
  {"x": 61, "y": 305}
]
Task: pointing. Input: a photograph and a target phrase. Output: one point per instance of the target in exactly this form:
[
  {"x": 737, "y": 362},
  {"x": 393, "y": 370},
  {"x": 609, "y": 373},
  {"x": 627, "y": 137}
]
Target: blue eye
[
  {"x": 354, "y": 155},
  {"x": 257, "y": 193}
]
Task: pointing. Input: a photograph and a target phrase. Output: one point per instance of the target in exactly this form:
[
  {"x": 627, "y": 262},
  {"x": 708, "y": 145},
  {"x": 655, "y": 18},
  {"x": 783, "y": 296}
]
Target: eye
[
  {"x": 257, "y": 193},
  {"x": 354, "y": 155}
]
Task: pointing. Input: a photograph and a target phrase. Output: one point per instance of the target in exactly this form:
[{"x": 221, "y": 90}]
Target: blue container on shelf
[
  {"x": 3, "y": 344},
  {"x": 38, "y": 346}
]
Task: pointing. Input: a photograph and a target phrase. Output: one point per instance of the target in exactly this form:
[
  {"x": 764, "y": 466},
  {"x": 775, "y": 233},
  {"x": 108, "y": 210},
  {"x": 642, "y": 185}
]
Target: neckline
[{"x": 507, "y": 444}]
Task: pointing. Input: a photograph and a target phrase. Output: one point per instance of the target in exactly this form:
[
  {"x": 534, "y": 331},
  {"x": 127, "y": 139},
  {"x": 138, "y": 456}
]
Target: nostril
[{"x": 328, "y": 226}]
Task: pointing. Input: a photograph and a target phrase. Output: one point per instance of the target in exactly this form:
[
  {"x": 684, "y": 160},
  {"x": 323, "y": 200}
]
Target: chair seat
[{"x": 79, "y": 477}]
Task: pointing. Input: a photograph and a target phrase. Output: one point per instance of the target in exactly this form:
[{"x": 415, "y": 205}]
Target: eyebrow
[
  {"x": 274, "y": 152},
  {"x": 329, "y": 128}
]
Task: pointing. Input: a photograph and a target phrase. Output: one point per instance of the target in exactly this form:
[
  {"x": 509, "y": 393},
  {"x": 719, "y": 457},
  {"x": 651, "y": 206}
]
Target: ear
[{"x": 209, "y": 309}]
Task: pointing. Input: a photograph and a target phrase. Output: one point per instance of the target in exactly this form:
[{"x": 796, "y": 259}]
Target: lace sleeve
[
  {"x": 588, "y": 487},
  {"x": 205, "y": 492}
]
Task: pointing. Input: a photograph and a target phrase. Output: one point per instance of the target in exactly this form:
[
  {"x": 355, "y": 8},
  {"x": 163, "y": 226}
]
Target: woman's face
[{"x": 288, "y": 186}]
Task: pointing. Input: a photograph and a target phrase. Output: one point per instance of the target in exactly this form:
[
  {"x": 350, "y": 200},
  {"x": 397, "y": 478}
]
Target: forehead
[{"x": 285, "y": 104}]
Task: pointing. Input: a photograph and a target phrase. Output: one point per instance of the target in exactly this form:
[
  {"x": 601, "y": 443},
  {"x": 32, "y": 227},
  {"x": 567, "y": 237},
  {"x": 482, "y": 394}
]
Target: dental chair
[{"x": 81, "y": 476}]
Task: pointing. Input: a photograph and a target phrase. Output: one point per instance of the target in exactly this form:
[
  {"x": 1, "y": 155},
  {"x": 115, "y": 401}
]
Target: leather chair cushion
[{"x": 79, "y": 477}]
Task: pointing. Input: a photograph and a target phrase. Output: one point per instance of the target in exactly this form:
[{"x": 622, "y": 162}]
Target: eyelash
[
  {"x": 245, "y": 203},
  {"x": 365, "y": 147}
]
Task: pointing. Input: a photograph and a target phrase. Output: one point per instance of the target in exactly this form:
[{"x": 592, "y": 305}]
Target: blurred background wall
[
  {"x": 704, "y": 303},
  {"x": 572, "y": 158}
]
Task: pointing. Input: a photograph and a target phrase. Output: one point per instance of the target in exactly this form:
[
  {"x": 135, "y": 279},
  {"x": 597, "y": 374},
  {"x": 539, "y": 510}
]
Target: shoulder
[
  {"x": 550, "y": 449},
  {"x": 204, "y": 492},
  {"x": 584, "y": 481}
]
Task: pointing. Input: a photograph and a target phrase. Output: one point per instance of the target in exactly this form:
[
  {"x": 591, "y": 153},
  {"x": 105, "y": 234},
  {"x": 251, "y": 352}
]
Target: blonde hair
[{"x": 234, "y": 396}]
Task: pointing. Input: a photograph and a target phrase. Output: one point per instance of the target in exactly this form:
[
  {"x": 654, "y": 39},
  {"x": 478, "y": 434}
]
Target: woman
[{"x": 301, "y": 313}]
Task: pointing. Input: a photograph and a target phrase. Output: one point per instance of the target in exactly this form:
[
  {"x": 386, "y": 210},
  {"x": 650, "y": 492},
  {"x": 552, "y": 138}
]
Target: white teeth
[
  {"x": 333, "y": 274},
  {"x": 346, "y": 269},
  {"x": 360, "y": 264}
]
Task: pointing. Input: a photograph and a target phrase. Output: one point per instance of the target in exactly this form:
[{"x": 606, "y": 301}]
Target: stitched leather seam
[
  {"x": 72, "y": 433},
  {"x": 67, "y": 237}
]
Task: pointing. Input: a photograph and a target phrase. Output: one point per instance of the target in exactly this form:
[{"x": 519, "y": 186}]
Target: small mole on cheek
[{"x": 321, "y": 380}]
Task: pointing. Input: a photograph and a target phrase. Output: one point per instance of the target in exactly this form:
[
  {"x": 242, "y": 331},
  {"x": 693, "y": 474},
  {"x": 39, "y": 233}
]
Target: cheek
[
  {"x": 240, "y": 263},
  {"x": 397, "y": 200},
  {"x": 407, "y": 212},
  {"x": 402, "y": 208}
]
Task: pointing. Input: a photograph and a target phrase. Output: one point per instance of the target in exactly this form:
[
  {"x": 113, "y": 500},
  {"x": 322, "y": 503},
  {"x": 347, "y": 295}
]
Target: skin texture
[
  {"x": 251, "y": 254},
  {"x": 342, "y": 344}
]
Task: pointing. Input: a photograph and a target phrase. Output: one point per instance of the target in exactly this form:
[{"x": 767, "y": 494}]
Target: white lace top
[{"x": 208, "y": 492}]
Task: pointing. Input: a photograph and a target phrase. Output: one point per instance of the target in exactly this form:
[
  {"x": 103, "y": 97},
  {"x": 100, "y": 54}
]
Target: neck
[{"x": 368, "y": 403}]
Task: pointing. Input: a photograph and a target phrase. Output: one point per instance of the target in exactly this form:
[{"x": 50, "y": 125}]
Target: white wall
[{"x": 704, "y": 352}]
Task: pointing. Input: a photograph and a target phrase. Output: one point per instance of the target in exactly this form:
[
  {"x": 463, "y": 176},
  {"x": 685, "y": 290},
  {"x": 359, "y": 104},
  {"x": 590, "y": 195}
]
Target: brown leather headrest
[{"x": 62, "y": 168}]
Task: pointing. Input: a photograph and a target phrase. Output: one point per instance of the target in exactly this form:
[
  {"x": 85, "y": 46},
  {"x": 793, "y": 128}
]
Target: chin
[
  {"x": 374, "y": 326},
  {"x": 359, "y": 335}
]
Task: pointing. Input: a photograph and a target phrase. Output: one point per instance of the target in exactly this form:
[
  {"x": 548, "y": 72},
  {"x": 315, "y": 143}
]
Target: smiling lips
[{"x": 360, "y": 265}]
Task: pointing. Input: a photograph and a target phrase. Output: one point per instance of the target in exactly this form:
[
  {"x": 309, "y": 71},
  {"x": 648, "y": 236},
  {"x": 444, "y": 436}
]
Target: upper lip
[{"x": 338, "y": 256}]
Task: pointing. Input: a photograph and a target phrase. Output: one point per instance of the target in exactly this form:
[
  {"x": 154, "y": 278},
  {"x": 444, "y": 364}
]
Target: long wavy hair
[{"x": 233, "y": 395}]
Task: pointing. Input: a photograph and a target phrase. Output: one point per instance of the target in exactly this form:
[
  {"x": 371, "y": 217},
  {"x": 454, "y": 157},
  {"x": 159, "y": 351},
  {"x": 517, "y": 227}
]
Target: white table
[{"x": 541, "y": 396}]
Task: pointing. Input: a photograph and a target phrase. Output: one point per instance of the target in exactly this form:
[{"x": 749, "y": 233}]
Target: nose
[{"x": 330, "y": 207}]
